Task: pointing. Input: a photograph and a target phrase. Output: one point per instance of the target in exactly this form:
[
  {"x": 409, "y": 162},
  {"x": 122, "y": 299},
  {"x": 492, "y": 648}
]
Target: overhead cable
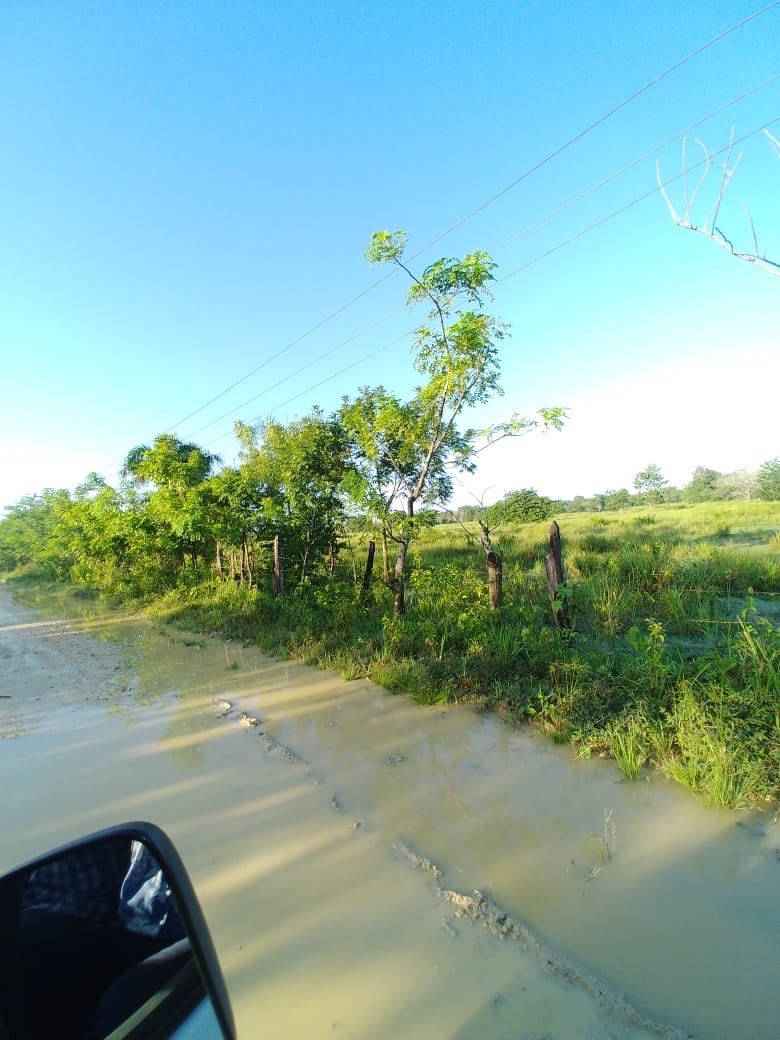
[{"x": 488, "y": 202}]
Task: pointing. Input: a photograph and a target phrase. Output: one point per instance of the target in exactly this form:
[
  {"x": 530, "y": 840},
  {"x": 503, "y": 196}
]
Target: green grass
[{"x": 672, "y": 662}]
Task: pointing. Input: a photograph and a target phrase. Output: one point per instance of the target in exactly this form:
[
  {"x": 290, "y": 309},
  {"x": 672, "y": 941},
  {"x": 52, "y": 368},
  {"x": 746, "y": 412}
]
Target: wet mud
[{"x": 300, "y": 803}]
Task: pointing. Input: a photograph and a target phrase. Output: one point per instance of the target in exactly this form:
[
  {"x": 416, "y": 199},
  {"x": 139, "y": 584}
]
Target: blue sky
[{"x": 187, "y": 189}]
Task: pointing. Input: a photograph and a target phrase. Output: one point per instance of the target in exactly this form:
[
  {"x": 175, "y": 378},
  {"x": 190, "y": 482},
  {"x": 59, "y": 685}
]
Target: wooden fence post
[
  {"x": 556, "y": 578},
  {"x": 278, "y": 588},
  {"x": 369, "y": 567},
  {"x": 495, "y": 568}
]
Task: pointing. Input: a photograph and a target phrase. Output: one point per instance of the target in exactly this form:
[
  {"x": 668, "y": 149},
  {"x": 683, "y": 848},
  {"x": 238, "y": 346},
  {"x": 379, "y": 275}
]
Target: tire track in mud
[
  {"x": 475, "y": 908},
  {"x": 478, "y": 909}
]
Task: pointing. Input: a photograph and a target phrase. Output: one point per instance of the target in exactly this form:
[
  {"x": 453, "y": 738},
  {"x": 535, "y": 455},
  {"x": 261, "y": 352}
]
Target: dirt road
[{"x": 296, "y": 833}]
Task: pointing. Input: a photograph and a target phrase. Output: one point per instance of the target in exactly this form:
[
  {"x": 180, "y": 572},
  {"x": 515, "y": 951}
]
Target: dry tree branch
[{"x": 709, "y": 228}]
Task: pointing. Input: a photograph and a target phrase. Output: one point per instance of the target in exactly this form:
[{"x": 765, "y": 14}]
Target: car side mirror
[{"x": 104, "y": 939}]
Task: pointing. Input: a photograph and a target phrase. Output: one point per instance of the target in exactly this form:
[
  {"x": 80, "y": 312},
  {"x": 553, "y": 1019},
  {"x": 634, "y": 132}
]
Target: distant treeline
[{"x": 705, "y": 485}]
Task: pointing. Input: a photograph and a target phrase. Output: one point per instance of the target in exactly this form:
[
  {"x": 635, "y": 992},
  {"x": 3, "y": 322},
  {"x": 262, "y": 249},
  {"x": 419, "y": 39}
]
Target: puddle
[{"x": 293, "y": 829}]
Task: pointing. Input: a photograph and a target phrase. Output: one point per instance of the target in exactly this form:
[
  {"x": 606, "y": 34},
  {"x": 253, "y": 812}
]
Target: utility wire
[
  {"x": 634, "y": 202},
  {"x": 602, "y": 119},
  {"x": 635, "y": 162},
  {"x": 523, "y": 267},
  {"x": 322, "y": 382},
  {"x": 524, "y": 176},
  {"x": 298, "y": 371},
  {"x": 519, "y": 234}
]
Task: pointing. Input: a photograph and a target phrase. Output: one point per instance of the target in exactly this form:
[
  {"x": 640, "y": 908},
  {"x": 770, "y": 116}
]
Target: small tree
[
  {"x": 521, "y": 507},
  {"x": 455, "y": 350},
  {"x": 769, "y": 480},
  {"x": 617, "y": 499},
  {"x": 741, "y": 484},
  {"x": 703, "y": 485},
  {"x": 649, "y": 483}
]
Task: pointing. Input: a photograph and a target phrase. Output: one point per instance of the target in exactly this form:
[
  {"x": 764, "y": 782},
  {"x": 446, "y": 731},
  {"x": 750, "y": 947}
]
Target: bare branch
[
  {"x": 707, "y": 167},
  {"x": 774, "y": 143},
  {"x": 752, "y": 228},
  {"x": 709, "y": 227},
  {"x": 667, "y": 200}
]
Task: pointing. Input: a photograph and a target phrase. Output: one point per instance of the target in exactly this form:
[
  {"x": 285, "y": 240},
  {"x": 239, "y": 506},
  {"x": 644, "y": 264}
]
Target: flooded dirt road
[{"x": 625, "y": 905}]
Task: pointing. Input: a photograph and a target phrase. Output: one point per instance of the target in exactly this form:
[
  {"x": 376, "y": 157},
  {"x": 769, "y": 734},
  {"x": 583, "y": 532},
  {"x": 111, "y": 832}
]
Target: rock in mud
[
  {"x": 247, "y": 721},
  {"x": 394, "y": 759},
  {"x": 221, "y": 707}
]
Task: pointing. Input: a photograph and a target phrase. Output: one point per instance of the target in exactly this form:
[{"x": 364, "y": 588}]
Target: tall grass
[{"x": 672, "y": 661}]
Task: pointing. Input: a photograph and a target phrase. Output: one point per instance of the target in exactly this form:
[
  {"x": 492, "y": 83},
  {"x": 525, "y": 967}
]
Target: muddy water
[{"x": 322, "y": 927}]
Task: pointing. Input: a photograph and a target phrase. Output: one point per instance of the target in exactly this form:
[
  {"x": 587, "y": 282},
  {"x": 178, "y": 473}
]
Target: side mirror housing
[{"x": 104, "y": 939}]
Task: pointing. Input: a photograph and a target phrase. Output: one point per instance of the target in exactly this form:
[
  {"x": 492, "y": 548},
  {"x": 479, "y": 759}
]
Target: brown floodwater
[{"x": 288, "y": 829}]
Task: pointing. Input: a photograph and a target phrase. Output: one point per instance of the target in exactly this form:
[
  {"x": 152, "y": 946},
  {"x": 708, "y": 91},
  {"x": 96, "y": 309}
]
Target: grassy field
[{"x": 671, "y": 663}]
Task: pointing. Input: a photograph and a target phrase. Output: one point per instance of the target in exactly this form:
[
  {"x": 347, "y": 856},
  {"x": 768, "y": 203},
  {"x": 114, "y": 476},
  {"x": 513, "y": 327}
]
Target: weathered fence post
[
  {"x": 556, "y": 578},
  {"x": 495, "y": 567},
  {"x": 369, "y": 567},
  {"x": 278, "y": 587}
]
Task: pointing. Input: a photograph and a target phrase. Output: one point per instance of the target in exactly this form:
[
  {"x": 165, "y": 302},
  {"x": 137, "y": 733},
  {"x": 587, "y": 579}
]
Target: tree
[
  {"x": 709, "y": 227},
  {"x": 299, "y": 468},
  {"x": 177, "y": 508},
  {"x": 649, "y": 483},
  {"x": 741, "y": 484},
  {"x": 455, "y": 350},
  {"x": 619, "y": 499},
  {"x": 703, "y": 485},
  {"x": 388, "y": 445},
  {"x": 521, "y": 507},
  {"x": 27, "y": 531},
  {"x": 769, "y": 480}
]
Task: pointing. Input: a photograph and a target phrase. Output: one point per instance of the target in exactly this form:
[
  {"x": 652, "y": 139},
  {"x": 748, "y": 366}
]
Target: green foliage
[
  {"x": 769, "y": 480},
  {"x": 672, "y": 664},
  {"x": 649, "y": 483},
  {"x": 521, "y": 507},
  {"x": 703, "y": 485}
]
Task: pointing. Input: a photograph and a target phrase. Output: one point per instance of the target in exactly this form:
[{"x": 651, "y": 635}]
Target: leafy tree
[
  {"x": 298, "y": 470},
  {"x": 456, "y": 351},
  {"x": 649, "y": 483},
  {"x": 703, "y": 485},
  {"x": 769, "y": 480},
  {"x": 176, "y": 511},
  {"x": 619, "y": 499},
  {"x": 388, "y": 445},
  {"x": 27, "y": 530},
  {"x": 521, "y": 507}
]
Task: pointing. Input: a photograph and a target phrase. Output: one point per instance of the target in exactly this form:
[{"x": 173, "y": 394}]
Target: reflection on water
[{"x": 324, "y": 931}]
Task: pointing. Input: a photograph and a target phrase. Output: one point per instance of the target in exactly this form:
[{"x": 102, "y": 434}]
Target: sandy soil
[{"x": 46, "y": 665}]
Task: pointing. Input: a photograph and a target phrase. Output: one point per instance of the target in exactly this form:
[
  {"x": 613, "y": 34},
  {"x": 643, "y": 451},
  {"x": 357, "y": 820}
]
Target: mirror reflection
[{"x": 94, "y": 947}]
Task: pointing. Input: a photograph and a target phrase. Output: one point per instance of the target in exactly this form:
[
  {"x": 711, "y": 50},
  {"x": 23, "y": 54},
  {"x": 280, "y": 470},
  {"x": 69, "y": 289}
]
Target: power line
[
  {"x": 523, "y": 267},
  {"x": 298, "y": 371},
  {"x": 542, "y": 220},
  {"x": 289, "y": 346},
  {"x": 634, "y": 202},
  {"x": 524, "y": 176},
  {"x": 635, "y": 162},
  {"x": 322, "y": 382},
  {"x": 602, "y": 119}
]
